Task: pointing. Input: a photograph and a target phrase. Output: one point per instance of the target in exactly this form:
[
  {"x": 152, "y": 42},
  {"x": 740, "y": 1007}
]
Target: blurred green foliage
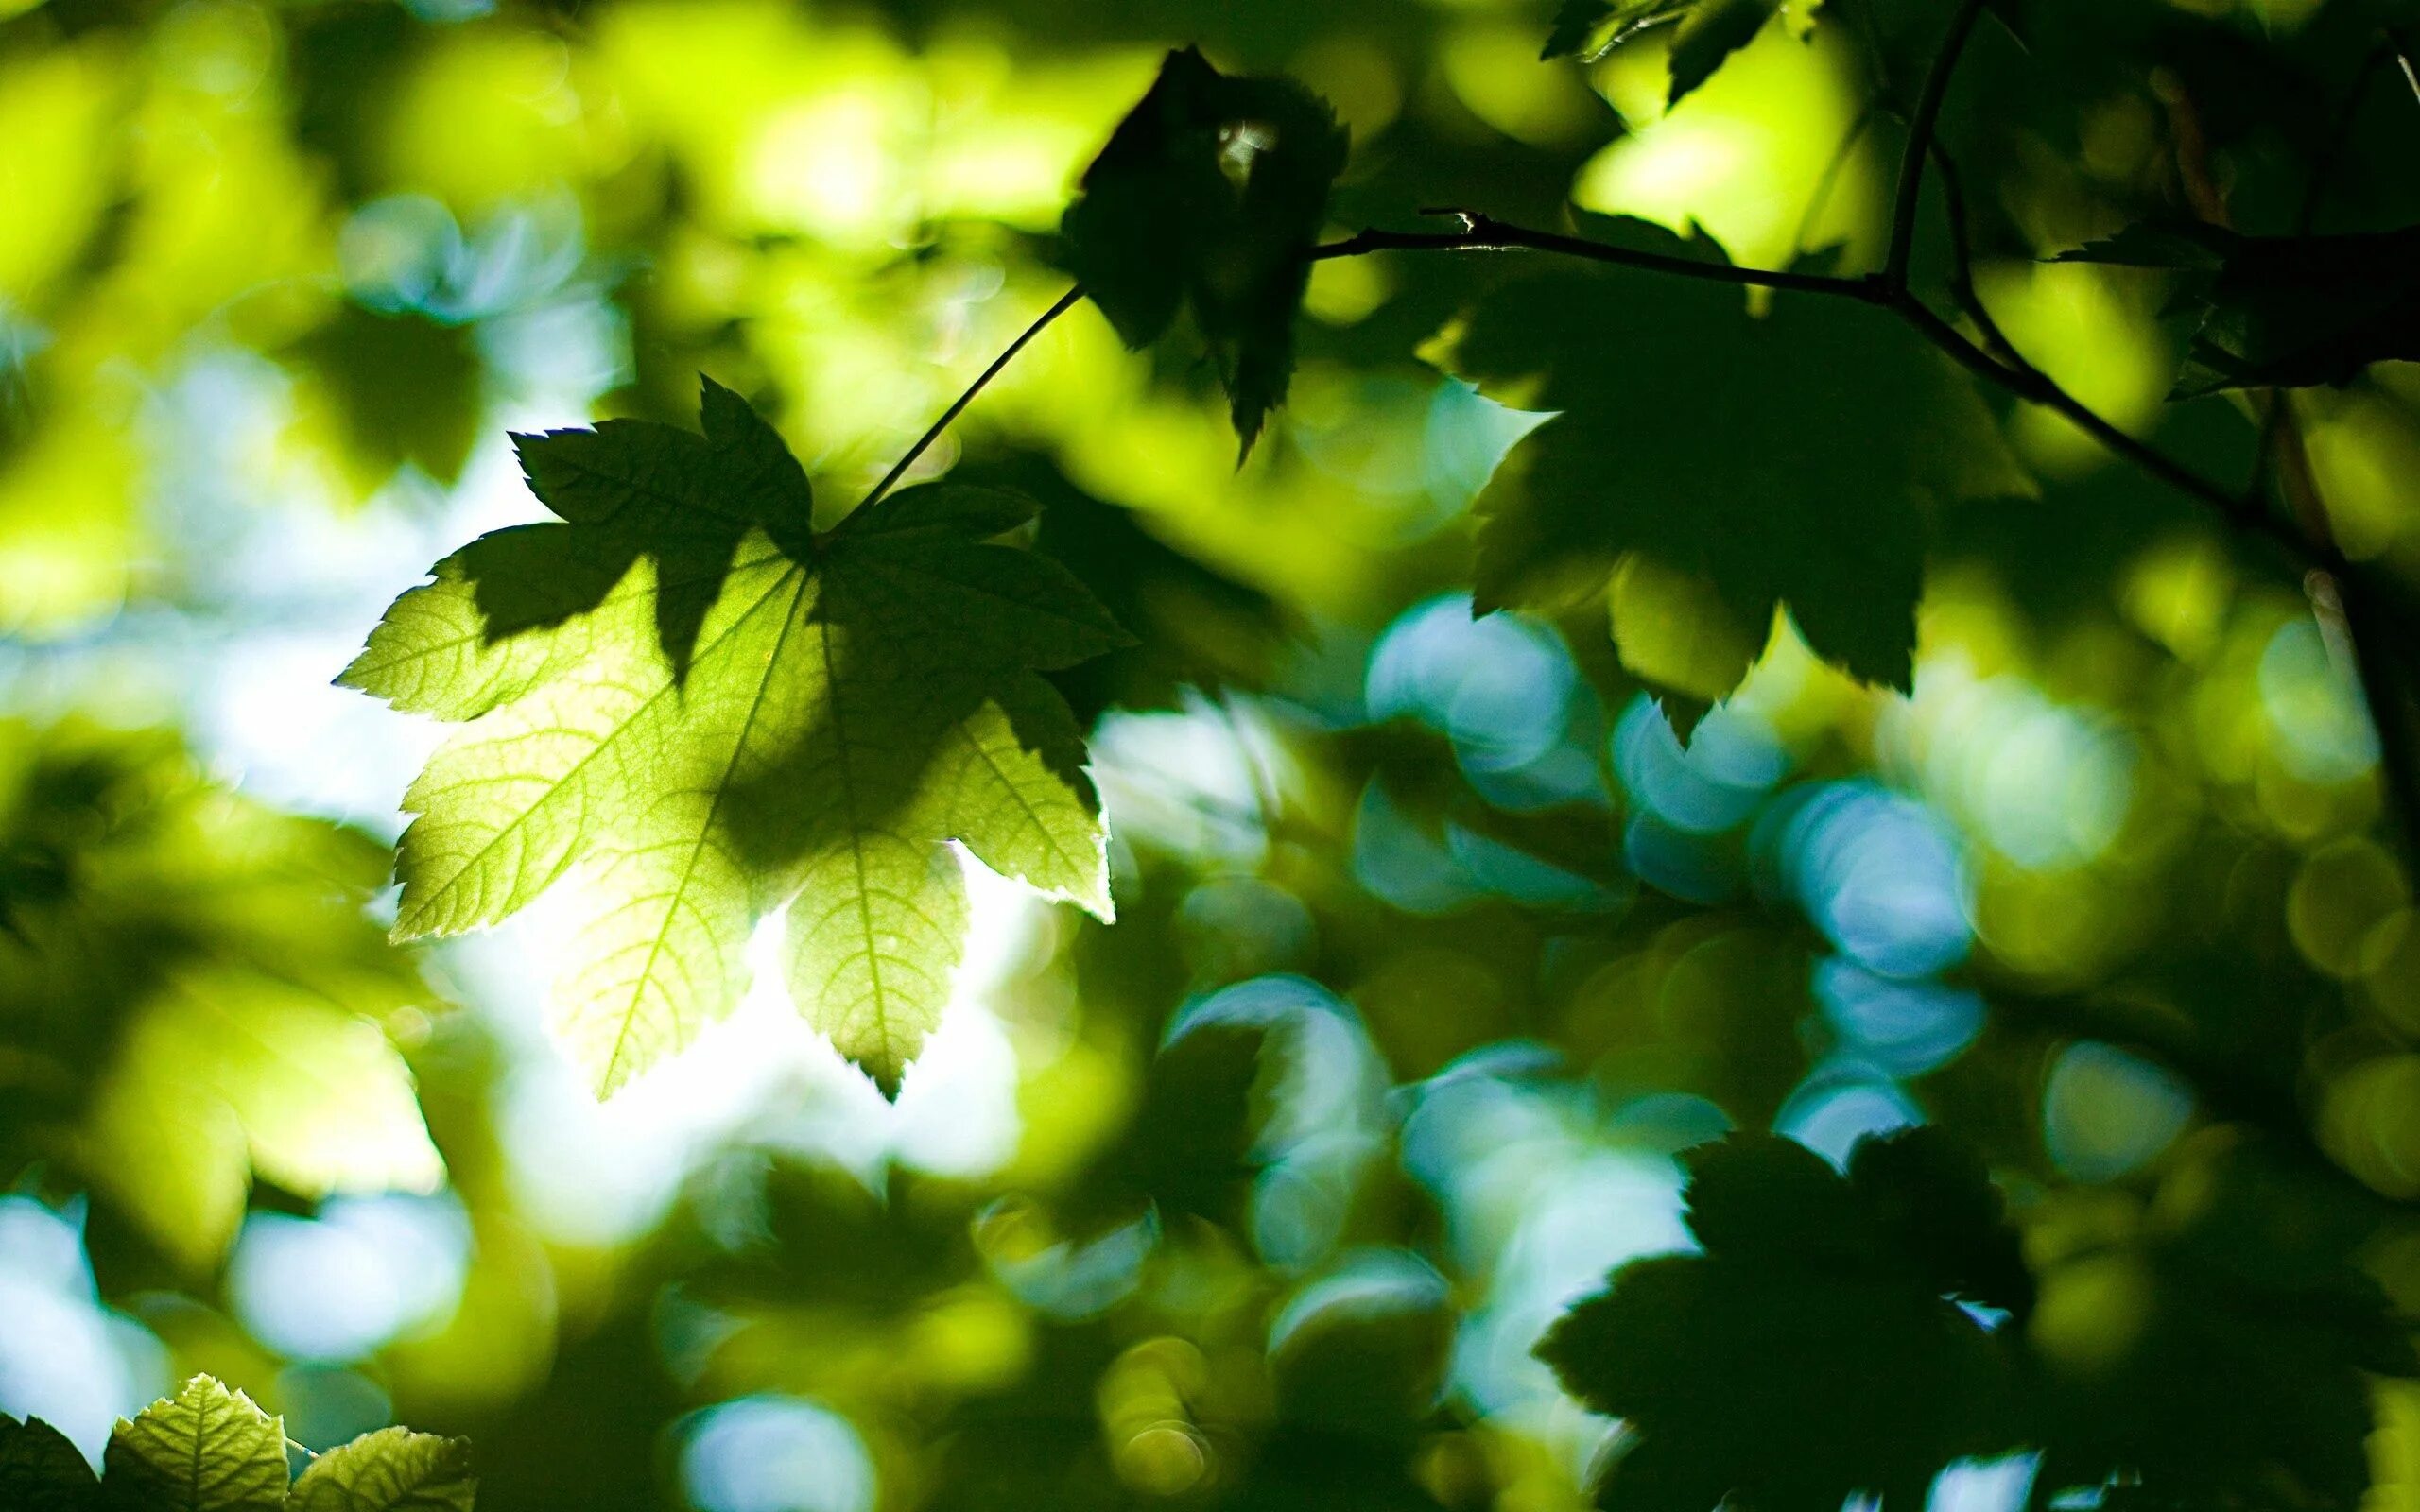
[{"x": 1458, "y": 1006}]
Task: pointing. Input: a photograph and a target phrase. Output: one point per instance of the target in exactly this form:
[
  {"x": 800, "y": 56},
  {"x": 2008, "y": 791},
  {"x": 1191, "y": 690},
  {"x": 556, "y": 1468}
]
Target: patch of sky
[
  {"x": 774, "y": 1454},
  {"x": 364, "y": 1271},
  {"x": 1716, "y": 782},
  {"x": 1878, "y": 872},
  {"x": 65, "y": 1358},
  {"x": 1502, "y": 689}
]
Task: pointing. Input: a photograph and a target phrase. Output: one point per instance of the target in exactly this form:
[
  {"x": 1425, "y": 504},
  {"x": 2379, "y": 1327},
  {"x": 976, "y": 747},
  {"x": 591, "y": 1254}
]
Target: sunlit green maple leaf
[
  {"x": 1737, "y": 463},
  {"x": 714, "y": 713},
  {"x": 1816, "y": 1349},
  {"x": 1208, "y": 198},
  {"x": 204, "y": 1450},
  {"x": 393, "y": 1470}
]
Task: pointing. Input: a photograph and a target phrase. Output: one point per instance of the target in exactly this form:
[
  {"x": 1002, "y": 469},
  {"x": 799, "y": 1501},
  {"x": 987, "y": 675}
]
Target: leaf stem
[
  {"x": 1920, "y": 128},
  {"x": 933, "y": 432}
]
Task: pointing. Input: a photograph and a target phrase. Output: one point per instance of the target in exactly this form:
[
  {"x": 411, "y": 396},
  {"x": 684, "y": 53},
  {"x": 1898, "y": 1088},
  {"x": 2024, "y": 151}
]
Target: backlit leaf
[
  {"x": 393, "y": 1470},
  {"x": 710, "y": 712},
  {"x": 204, "y": 1450}
]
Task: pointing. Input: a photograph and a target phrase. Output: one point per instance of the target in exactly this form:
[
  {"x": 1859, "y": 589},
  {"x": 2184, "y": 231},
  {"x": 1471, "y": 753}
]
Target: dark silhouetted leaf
[
  {"x": 1208, "y": 197},
  {"x": 1706, "y": 31},
  {"x": 1809, "y": 1354},
  {"x": 1726, "y": 464},
  {"x": 1931, "y": 1197},
  {"x": 2283, "y": 311},
  {"x": 40, "y": 1471}
]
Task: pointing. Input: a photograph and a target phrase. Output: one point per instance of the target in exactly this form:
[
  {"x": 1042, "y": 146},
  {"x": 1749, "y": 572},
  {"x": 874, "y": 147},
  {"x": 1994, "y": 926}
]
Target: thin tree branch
[
  {"x": 2003, "y": 364},
  {"x": 2022, "y": 379},
  {"x": 933, "y": 432},
  {"x": 1485, "y": 233},
  {"x": 1961, "y": 262},
  {"x": 1920, "y": 128},
  {"x": 2348, "y": 603}
]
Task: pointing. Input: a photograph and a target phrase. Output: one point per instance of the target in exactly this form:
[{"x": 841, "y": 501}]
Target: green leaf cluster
[
  {"x": 190, "y": 991},
  {"x": 209, "y": 1449}
]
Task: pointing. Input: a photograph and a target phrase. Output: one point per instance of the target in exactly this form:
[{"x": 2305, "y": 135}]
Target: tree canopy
[{"x": 762, "y": 757}]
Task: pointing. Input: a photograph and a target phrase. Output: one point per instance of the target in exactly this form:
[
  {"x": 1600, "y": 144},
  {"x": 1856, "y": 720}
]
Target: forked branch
[{"x": 2366, "y": 600}]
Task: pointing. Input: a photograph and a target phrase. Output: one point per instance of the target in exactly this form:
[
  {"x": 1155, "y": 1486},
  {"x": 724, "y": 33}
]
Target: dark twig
[
  {"x": 1920, "y": 129},
  {"x": 1962, "y": 265},
  {"x": 1485, "y": 233},
  {"x": 2026, "y": 382},
  {"x": 2018, "y": 377}
]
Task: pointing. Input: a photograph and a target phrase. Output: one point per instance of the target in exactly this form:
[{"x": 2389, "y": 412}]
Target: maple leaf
[
  {"x": 1814, "y": 1350},
  {"x": 713, "y": 713},
  {"x": 42, "y": 1472},
  {"x": 1208, "y": 197},
  {"x": 1735, "y": 464}
]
